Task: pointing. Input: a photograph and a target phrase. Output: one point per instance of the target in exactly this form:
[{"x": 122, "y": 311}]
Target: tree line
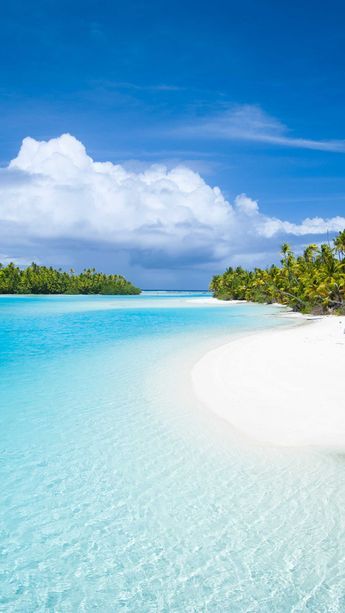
[
  {"x": 43, "y": 280},
  {"x": 313, "y": 282}
]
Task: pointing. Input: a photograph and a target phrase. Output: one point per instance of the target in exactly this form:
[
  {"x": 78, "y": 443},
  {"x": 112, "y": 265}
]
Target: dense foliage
[
  {"x": 42, "y": 280},
  {"x": 312, "y": 282}
]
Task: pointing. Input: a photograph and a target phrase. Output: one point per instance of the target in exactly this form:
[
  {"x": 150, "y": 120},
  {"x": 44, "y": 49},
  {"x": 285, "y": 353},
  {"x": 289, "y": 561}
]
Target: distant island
[
  {"x": 43, "y": 280},
  {"x": 310, "y": 283}
]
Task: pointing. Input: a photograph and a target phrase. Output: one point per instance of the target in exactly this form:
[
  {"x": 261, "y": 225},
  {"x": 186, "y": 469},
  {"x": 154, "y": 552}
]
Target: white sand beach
[{"x": 281, "y": 387}]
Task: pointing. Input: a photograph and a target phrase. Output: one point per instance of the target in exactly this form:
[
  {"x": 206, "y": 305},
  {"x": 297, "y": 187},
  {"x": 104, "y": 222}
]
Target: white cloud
[
  {"x": 309, "y": 226},
  {"x": 250, "y": 123},
  {"x": 53, "y": 195},
  {"x": 68, "y": 195},
  {"x": 246, "y": 205}
]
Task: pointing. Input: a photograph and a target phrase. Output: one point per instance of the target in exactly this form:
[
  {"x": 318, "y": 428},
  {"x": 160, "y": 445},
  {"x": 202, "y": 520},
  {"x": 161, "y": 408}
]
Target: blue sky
[{"x": 249, "y": 95}]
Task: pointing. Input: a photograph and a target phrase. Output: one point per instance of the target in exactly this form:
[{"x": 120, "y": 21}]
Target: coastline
[{"x": 280, "y": 386}]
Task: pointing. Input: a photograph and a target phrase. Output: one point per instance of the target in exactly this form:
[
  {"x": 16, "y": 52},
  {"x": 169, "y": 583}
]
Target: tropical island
[
  {"x": 313, "y": 282},
  {"x": 37, "y": 279},
  {"x": 285, "y": 385}
]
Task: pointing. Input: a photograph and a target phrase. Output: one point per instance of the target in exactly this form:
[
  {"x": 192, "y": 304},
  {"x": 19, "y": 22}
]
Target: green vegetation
[
  {"x": 311, "y": 283},
  {"x": 42, "y": 280}
]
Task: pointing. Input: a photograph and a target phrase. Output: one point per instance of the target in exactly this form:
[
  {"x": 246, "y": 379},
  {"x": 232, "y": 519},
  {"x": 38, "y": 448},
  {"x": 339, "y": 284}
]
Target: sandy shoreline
[{"x": 280, "y": 386}]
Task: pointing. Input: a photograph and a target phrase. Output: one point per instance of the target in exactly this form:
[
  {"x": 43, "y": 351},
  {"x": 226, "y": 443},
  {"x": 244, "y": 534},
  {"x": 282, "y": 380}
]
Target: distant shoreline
[{"x": 281, "y": 386}]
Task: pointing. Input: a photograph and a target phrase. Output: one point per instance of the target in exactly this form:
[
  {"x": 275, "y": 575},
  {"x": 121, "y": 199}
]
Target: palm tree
[{"x": 339, "y": 244}]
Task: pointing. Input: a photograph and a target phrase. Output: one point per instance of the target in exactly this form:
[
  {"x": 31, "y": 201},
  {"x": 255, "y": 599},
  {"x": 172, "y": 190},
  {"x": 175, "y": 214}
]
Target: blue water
[{"x": 119, "y": 492}]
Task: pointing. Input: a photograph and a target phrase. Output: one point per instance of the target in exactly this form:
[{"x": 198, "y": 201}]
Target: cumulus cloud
[
  {"x": 68, "y": 195},
  {"x": 54, "y": 194}
]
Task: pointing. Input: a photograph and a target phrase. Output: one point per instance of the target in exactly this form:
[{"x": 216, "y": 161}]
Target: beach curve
[{"x": 281, "y": 386}]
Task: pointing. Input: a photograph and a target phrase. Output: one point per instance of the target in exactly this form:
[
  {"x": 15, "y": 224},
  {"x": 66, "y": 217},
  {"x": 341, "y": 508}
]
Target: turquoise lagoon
[{"x": 119, "y": 492}]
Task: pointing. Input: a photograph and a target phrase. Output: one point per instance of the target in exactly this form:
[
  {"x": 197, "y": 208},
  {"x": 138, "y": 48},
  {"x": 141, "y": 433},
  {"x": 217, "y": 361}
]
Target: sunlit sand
[{"x": 283, "y": 387}]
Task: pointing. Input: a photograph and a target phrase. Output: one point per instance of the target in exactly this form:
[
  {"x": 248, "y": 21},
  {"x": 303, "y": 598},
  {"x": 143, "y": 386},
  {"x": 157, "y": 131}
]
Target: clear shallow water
[{"x": 120, "y": 493}]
